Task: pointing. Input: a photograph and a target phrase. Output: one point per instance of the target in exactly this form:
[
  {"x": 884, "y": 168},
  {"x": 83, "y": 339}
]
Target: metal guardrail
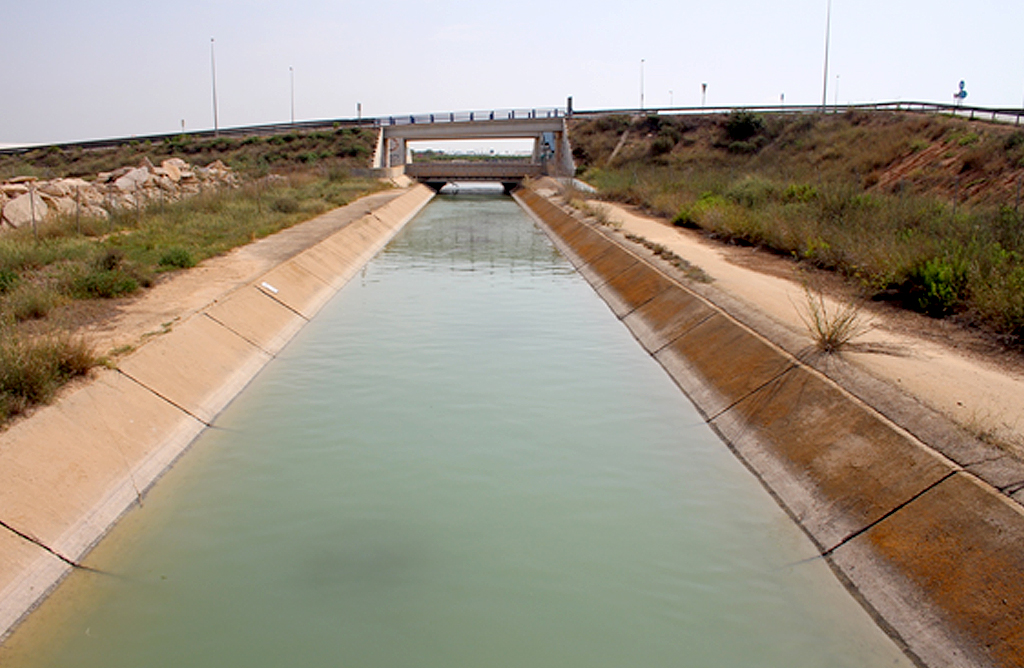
[
  {"x": 1004, "y": 115},
  {"x": 999, "y": 114}
]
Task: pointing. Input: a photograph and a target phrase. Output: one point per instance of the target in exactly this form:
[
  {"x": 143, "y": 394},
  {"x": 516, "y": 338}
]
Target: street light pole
[
  {"x": 291, "y": 75},
  {"x": 213, "y": 73},
  {"x": 828, "y": 34},
  {"x": 641, "y": 84}
]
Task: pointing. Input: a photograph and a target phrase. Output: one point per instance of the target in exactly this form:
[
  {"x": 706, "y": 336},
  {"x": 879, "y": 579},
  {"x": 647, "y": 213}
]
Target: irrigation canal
[{"x": 465, "y": 460}]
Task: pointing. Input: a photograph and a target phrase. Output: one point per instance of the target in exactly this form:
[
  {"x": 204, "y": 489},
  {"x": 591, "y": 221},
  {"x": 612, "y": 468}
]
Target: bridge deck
[{"x": 473, "y": 171}]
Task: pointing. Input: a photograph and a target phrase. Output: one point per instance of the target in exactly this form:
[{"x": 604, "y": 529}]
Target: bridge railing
[{"x": 472, "y": 116}]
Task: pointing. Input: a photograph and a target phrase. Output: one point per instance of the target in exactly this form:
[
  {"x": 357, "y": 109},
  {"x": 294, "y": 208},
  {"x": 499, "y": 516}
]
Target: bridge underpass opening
[{"x": 470, "y": 163}]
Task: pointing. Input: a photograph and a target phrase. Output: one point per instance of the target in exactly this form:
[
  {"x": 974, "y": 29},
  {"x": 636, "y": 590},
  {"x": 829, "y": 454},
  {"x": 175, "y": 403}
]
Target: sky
[{"x": 113, "y": 68}]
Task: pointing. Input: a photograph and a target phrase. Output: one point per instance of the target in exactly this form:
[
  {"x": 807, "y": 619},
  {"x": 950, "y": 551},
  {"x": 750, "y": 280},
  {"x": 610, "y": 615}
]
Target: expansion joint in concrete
[
  {"x": 165, "y": 398},
  {"x": 787, "y": 369},
  {"x": 241, "y": 336},
  {"x": 38, "y": 543},
  {"x": 683, "y": 333},
  {"x": 890, "y": 513},
  {"x": 287, "y": 306}
]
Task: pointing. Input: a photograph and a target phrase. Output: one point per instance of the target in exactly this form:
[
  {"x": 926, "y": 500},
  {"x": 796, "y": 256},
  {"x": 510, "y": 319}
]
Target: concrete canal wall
[
  {"x": 932, "y": 550},
  {"x": 69, "y": 472}
]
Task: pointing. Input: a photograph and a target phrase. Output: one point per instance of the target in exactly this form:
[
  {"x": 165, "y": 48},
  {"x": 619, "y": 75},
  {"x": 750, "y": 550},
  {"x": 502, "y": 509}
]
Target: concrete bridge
[{"x": 551, "y": 153}]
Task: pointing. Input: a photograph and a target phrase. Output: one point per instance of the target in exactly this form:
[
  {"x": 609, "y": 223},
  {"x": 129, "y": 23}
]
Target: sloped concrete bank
[
  {"x": 931, "y": 549},
  {"x": 68, "y": 473}
]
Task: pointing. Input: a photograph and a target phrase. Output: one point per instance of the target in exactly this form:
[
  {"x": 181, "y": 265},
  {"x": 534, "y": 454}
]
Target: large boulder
[
  {"x": 13, "y": 189},
  {"x": 132, "y": 180},
  {"x": 172, "y": 169},
  {"x": 20, "y": 210}
]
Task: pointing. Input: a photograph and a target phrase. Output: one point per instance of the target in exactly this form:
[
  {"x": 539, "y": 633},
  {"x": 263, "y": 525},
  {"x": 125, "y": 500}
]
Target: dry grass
[
  {"x": 32, "y": 368},
  {"x": 832, "y": 328},
  {"x": 869, "y": 196}
]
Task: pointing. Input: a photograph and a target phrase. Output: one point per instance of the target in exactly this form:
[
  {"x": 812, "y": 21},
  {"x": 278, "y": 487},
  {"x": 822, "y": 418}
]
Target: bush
[
  {"x": 662, "y": 145},
  {"x": 8, "y": 280},
  {"x": 742, "y": 125},
  {"x": 31, "y": 302},
  {"x": 285, "y": 205},
  {"x": 685, "y": 218},
  {"x": 105, "y": 284},
  {"x": 800, "y": 192},
  {"x": 31, "y": 370},
  {"x": 110, "y": 260},
  {"x": 742, "y": 147},
  {"x": 180, "y": 258},
  {"x": 936, "y": 286}
]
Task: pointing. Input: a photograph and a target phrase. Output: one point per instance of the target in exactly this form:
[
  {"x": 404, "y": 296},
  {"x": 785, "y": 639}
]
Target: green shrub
[
  {"x": 110, "y": 260},
  {"x": 8, "y": 280},
  {"x": 751, "y": 191},
  {"x": 178, "y": 257},
  {"x": 31, "y": 302},
  {"x": 285, "y": 205},
  {"x": 742, "y": 147},
  {"x": 742, "y": 125},
  {"x": 799, "y": 192},
  {"x": 685, "y": 218},
  {"x": 662, "y": 145},
  {"x": 105, "y": 284},
  {"x": 936, "y": 286}
]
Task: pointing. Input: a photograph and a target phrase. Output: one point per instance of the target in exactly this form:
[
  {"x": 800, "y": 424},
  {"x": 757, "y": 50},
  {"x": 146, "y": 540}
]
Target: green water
[{"x": 465, "y": 460}]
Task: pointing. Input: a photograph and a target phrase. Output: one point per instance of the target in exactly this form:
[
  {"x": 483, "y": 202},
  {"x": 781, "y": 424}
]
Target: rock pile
[{"x": 26, "y": 198}]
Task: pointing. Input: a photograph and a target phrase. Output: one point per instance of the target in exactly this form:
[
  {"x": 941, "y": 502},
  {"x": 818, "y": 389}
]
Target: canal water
[{"x": 464, "y": 460}]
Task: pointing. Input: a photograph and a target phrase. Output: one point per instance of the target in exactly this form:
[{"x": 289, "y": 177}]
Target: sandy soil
[{"x": 984, "y": 392}]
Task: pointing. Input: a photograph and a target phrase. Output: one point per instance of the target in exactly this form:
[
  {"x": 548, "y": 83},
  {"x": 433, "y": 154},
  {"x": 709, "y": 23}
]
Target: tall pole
[
  {"x": 213, "y": 71},
  {"x": 291, "y": 75},
  {"x": 828, "y": 34},
  {"x": 641, "y": 84}
]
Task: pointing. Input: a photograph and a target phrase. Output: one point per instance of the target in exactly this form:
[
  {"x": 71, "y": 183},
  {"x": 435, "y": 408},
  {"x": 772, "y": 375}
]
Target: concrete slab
[
  {"x": 947, "y": 568},
  {"x": 666, "y": 317},
  {"x": 254, "y": 316},
  {"x": 297, "y": 288},
  {"x": 27, "y": 573},
  {"x": 200, "y": 366},
  {"x": 719, "y": 363},
  {"x": 66, "y": 478},
  {"x": 836, "y": 464},
  {"x": 633, "y": 288}
]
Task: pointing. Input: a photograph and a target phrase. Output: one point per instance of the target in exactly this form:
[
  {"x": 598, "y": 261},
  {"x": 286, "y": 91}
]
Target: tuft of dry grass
[
  {"x": 32, "y": 368},
  {"x": 832, "y": 328}
]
